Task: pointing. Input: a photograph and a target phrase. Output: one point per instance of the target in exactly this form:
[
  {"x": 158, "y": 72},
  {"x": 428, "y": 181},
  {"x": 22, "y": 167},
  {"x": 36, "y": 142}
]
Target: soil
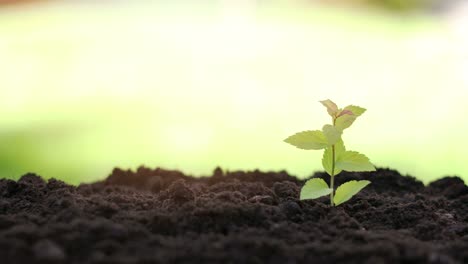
[{"x": 162, "y": 216}]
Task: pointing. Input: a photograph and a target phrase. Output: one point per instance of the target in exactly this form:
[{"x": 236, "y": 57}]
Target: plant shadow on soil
[{"x": 162, "y": 216}]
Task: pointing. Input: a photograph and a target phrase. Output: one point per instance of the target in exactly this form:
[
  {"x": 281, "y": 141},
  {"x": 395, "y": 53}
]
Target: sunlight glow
[{"x": 223, "y": 85}]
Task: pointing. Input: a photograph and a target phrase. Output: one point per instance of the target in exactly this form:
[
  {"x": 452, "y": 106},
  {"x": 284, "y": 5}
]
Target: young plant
[{"x": 335, "y": 157}]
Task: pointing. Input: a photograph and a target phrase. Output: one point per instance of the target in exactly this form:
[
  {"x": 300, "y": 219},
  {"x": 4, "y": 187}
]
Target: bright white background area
[{"x": 87, "y": 87}]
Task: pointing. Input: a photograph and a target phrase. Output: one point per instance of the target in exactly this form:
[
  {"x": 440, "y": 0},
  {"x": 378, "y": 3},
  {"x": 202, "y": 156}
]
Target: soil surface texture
[{"x": 163, "y": 216}]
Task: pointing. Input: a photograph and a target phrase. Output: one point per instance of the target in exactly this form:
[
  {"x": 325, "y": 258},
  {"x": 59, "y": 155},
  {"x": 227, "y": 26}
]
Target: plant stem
[{"x": 332, "y": 177}]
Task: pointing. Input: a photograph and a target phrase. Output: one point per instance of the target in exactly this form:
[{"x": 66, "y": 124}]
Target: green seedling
[{"x": 335, "y": 157}]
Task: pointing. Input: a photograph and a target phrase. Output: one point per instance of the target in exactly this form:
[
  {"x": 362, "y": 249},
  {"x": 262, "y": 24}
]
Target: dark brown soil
[{"x": 161, "y": 216}]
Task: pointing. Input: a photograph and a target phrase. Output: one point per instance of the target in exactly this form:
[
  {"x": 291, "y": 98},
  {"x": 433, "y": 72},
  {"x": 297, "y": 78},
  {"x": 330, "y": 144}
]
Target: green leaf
[
  {"x": 327, "y": 162},
  {"x": 356, "y": 110},
  {"x": 332, "y": 108},
  {"x": 331, "y": 133},
  {"x": 347, "y": 116},
  {"x": 344, "y": 121},
  {"x": 308, "y": 140},
  {"x": 314, "y": 188},
  {"x": 339, "y": 148},
  {"x": 348, "y": 190},
  {"x": 354, "y": 161},
  {"x": 327, "y": 159},
  {"x": 344, "y": 112}
]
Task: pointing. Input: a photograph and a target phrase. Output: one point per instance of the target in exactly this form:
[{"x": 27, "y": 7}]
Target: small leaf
[
  {"x": 327, "y": 162},
  {"x": 344, "y": 121},
  {"x": 347, "y": 190},
  {"x": 354, "y": 161},
  {"x": 331, "y": 133},
  {"x": 314, "y": 188},
  {"x": 339, "y": 149},
  {"x": 356, "y": 110},
  {"x": 327, "y": 159},
  {"x": 344, "y": 112},
  {"x": 347, "y": 116},
  {"x": 332, "y": 108},
  {"x": 308, "y": 140}
]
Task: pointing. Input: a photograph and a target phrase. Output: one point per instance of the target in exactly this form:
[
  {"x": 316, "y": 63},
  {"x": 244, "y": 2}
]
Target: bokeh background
[{"x": 86, "y": 86}]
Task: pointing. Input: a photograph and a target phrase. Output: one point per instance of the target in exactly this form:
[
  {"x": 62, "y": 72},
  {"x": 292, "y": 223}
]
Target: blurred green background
[{"x": 86, "y": 86}]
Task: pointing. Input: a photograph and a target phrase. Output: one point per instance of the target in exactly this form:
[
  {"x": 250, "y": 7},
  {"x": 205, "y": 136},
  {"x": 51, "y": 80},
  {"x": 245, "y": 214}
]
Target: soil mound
[{"x": 163, "y": 216}]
